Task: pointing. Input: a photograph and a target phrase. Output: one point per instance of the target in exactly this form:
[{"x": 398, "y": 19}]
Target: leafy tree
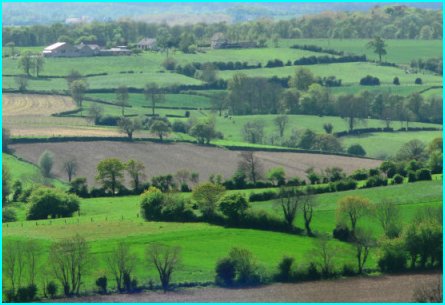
[
  {"x": 73, "y": 76},
  {"x": 245, "y": 265},
  {"x": 69, "y": 260},
  {"x": 135, "y": 170},
  {"x": 46, "y": 162},
  {"x": 378, "y": 46},
  {"x": 277, "y": 176},
  {"x": 78, "y": 88},
  {"x": 353, "y": 208},
  {"x": 46, "y": 202},
  {"x": 352, "y": 109},
  {"x": 302, "y": 79},
  {"x": 121, "y": 262},
  {"x": 110, "y": 174},
  {"x": 166, "y": 260},
  {"x": 388, "y": 215},
  {"x": 95, "y": 112},
  {"x": 152, "y": 202},
  {"x": 207, "y": 196},
  {"x": 253, "y": 132},
  {"x": 70, "y": 167},
  {"x": 328, "y": 128},
  {"x": 250, "y": 166},
  {"x": 129, "y": 126},
  {"x": 208, "y": 73},
  {"x": 22, "y": 82},
  {"x": 308, "y": 139},
  {"x": 203, "y": 131},
  {"x": 412, "y": 150},
  {"x": 122, "y": 98},
  {"x": 233, "y": 206},
  {"x": 153, "y": 94},
  {"x": 281, "y": 122},
  {"x": 160, "y": 128},
  {"x": 6, "y": 184},
  {"x": 219, "y": 102},
  {"x": 26, "y": 62},
  {"x": 327, "y": 142}
]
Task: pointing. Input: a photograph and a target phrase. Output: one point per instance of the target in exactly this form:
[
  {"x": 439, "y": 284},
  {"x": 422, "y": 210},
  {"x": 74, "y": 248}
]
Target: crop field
[
  {"x": 35, "y": 104},
  {"x": 106, "y": 221},
  {"x": 169, "y": 158},
  {"x": 399, "y": 51}
]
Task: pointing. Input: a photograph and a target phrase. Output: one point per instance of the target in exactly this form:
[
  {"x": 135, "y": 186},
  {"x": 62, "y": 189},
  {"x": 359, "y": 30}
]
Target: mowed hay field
[
  {"x": 169, "y": 158},
  {"x": 35, "y": 104}
]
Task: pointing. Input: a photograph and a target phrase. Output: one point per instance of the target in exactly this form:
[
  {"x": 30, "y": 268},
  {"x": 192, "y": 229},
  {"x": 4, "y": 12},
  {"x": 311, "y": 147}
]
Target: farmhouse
[
  {"x": 219, "y": 41},
  {"x": 147, "y": 44},
  {"x": 64, "y": 49}
]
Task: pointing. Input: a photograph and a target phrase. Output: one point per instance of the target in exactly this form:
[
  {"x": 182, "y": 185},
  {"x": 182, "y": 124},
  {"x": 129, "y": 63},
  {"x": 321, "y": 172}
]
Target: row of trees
[{"x": 393, "y": 22}]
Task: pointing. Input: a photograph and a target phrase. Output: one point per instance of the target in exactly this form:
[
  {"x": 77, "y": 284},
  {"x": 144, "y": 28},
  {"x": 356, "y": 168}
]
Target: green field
[
  {"x": 27, "y": 173},
  {"x": 106, "y": 221},
  {"x": 399, "y": 51}
]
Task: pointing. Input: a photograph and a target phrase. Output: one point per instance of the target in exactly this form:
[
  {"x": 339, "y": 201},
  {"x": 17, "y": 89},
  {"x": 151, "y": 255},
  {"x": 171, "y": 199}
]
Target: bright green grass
[
  {"x": 171, "y": 100},
  {"x": 349, "y": 73},
  {"x": 383, "y": 144},
  {"x": 399, "y": 51},
  {"x": 27, "y": 173},
  {"x": 433, "y": 92},
  {"x": 232, "y": 128},
  {"x": 106, "y": 221}
]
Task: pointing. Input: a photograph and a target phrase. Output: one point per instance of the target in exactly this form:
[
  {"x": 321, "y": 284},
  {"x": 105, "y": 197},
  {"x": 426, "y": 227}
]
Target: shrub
[
  {"x": 169, "y": 63},
  {"x": 46, "y": 162},
  {"x": 101, "y": 283},
  {"x": 294, "y": 181},
  {"x": 285, "y": 269},
  {"x": 374, "y": 172},
  {"x": 225, "y": 271},
  {"x": 345, "y": 184},
  {"x": 263, "y": 196},
  {"x": 246, "y": 267},
  {"x": 393, "y": 257},
  {"x": 423, "y": 174},
  {"x": 108, "y": 120},
  {"x": 369, "y": 81},
  {"x": 348, "y": 270},
  {"x": 396, "y": 81},
  {"x": 418, "y": 81},
  {"x": 51, "y": 202},
  {"x": 398, "y": 179},
  {"x": 312, "y": 272},
  {"x": 9, "y": 215},
  {"x": 51, "y": 289},
  {"x": 412, "y": 177},
  {"x": 233, "y": 206},
  {"x": 359, "y": 175},
  {"x": 79, "y": 187},
  {"x": 357, "y": 150},
  {"x": 26, "y": 294},
  {"x": 175, "y": 208},
  {"x": 152, "y": 202},
  {"x": 342, "y": 233},
  {"x": 375, "y": 181},
  {"x": 179, "y": 126}
]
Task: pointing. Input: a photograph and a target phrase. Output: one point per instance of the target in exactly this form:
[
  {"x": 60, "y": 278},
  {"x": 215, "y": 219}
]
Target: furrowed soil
[
  {"x": 387, "y": 288},
  {"x": 161, "y": 159}
]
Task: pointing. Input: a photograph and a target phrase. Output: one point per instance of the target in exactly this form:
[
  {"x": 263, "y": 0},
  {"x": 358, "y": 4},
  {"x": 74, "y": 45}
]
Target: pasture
[
  {"x": 106, "y": 221},
  {"x": 168, "y": 158}
]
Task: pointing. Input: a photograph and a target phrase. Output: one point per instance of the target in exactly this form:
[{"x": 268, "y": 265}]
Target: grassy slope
[{"x": 106, "y": 221}]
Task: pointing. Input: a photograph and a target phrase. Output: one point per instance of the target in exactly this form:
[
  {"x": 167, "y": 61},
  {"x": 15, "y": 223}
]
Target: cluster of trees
[
  {"x": 431, "y": 64},
  {"x": 70, "y": 260},
  {"x": 305, "y": 96},
  {"x": 391, "y": 22}
]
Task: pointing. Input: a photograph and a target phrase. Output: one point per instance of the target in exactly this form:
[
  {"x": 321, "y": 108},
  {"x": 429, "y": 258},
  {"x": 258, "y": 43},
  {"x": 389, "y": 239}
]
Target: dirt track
[
  {"x": 397, "y": 288},
  {"x": 169, "y": 158}
]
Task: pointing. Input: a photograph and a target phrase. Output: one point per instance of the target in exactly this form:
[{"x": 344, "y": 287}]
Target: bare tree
[
  {"x": 290, "y": 200},
  {"x": 31, "y": 250},
  {"x": 122, "y": 98},
  {"x": 95, "y": 112},
  {"x": 281, "y": 123},
  {"x": 182, "y": 176},
  {"x": 70, "y": 167},
  {"x": 250, "y": 166},
  {"x": 165, "y": 259},
  {"x": 154, "y": 94},
  {"x": 136, "y": 171},
  {"x": 13, "y": 263},
  {"x": 363, "y": 242},
  {"x": 324, "y": 253},
  {"x": 388, "y": 215},
  {"x": 69, "y": 258},
  {"x": 219, "y": 102},
  {"x": 308, "y": 203},
  {"x": 121, "y": 262}
]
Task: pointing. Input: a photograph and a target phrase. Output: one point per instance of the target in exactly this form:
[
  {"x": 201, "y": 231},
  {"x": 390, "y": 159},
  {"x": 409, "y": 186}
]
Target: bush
[
  {"x": 348, "y": 270},
  {"x": 169, "y": 63},
  {"x": 285, "y": 269},
  {"x": 108, "y": 120},
  {"x": 370, "y": 81},
  {"x": 423, "y": 174},
  {"x": 246, "y": 268},
  {"x": 101, "y": 283},
  {"x": 152, "y": 202},
  {"x": 345, "y": 184},
  {"x": 79, "y": 187},
  {"x": 418, "y": 81},
  {"x": 263, "y": 196},
  {"x": 359, "y": 175},
  {"x": 412, "y": 177},
  {"x": 51, "y": 202},
  {"x": 46, "y": 162},
  {"x": 357, "y": 150},
  {"x": 342, "y": 233},
  {"x": 51, "y": 289},
  {"x": 233, "y": 206},
  {"x": 9, "y": 215},
  {"x": 396, "y": 81},
  {"x": 225, "y": 271},
  {"x": 375, "y": 181},
  {"x": 393, "y": 257},
  {"x": 312, "y": 272},
  {"x": 374, "y": 172},
  {"x": 179, "y": 126},
  {"x": 398, "y": 179},
  {"x": 26, "y": 294}
]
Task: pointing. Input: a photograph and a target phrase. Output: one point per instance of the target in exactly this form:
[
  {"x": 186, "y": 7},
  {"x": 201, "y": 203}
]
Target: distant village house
[
  {"x": 147, "y": 44},
  {"x": 64, "y": 49}
]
